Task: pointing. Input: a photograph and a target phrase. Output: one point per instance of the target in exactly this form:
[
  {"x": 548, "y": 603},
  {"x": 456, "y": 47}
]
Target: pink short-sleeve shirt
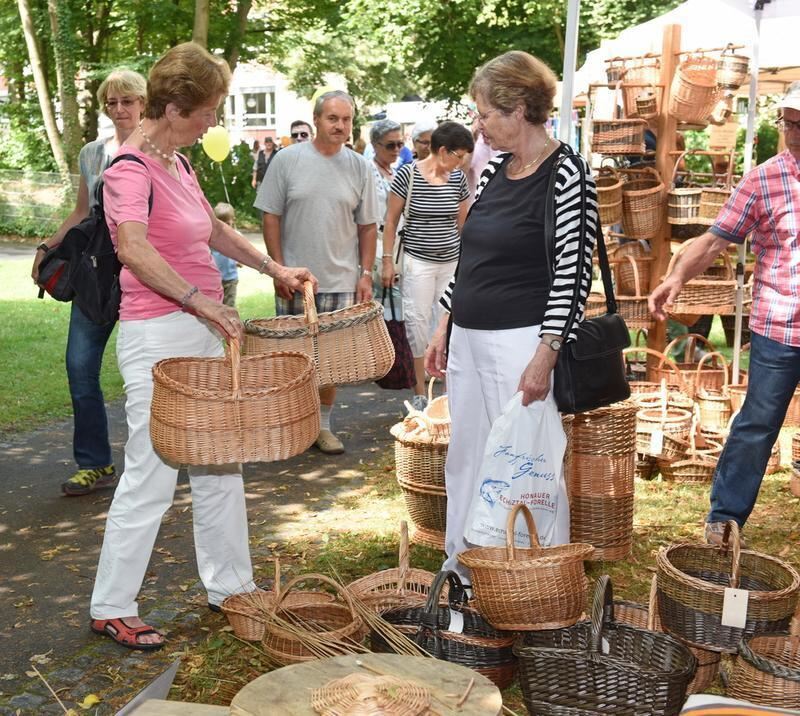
[{"x": 178, "y": 227}]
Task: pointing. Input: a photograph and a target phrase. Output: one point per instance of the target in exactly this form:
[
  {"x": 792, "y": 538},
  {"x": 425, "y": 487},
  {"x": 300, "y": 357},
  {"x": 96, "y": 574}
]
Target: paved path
[{"x": 49, "y": 546}]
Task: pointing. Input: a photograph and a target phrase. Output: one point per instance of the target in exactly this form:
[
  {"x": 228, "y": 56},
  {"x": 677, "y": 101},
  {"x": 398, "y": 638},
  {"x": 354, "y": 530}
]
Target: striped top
[
  {"x": 431, "y": 232},
  {"x": 766, "y": 205},
  {"x": 577, "y": 226}
]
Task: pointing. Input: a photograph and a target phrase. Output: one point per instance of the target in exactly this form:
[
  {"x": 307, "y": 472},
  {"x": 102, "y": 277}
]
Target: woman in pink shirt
[{"x": 171, "y": 306}]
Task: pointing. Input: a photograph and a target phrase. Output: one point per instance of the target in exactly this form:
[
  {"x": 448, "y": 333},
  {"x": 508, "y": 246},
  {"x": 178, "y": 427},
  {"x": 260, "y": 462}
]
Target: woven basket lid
[{"x": 366, "y": 695}]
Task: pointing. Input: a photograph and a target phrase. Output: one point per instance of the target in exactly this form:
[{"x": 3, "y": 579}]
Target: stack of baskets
[
  {"x": 694, "y": 90},
  {"x": 600, "y": 482},
  {"x": 642, "y": 204}
]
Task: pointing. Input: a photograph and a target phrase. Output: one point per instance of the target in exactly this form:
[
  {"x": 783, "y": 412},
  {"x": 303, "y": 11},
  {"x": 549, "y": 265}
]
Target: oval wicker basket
[
  {"x": 426, "y": 505},
  {"x": 706, "y": 294},
  {"x": 767, "y": 671},
  {"x": 609, "y": 196},
  {"x": 694, "y": 89},
  {"x": 214, "y": 411},
  {"x": 348, "y": 346},
  {"x": 528, "y": 588},
  {"x": 419, "y": 456},
  {"x": 643, "y": 205},
  {"x": 692, "y": 579}
]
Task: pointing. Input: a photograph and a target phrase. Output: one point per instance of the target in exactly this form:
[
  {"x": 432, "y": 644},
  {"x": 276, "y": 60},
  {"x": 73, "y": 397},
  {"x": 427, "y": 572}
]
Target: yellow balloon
[
  {"x": 217, "y": 143},
  {"x": 321, "y": 91}
]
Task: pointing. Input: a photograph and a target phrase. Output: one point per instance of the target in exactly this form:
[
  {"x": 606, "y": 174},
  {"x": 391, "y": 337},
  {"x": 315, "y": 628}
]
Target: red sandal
[{"x": 125, "y": 635}]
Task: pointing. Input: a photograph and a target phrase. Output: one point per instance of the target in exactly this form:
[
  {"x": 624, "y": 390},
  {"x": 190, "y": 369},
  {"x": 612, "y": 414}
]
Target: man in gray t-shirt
[{"x": 321, "y": 211}]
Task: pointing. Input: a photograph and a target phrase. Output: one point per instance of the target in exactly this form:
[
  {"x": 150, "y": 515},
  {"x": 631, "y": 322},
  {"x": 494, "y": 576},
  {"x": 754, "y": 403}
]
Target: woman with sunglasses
[
  {"x": 122, "y": 97},
  {"x": 387, "y": 140},
  {"x": 431, "y": 236}
]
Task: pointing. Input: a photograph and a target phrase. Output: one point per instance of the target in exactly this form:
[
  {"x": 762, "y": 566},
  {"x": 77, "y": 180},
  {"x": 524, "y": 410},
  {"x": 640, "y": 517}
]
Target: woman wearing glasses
[
  {"x": 386, "y": 138},
  {"x": 431, "y": 236},
  {"x": 122, "y": 97}
]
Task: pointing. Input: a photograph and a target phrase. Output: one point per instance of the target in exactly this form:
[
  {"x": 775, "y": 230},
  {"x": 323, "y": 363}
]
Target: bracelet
[
  {"x": 264, "y": 263},
  {"x": 191, "y": 292},
  {"x": 366, "y": 272},
  {"x": 387, "y": 256},
  {"x": 43, "y": 247}
]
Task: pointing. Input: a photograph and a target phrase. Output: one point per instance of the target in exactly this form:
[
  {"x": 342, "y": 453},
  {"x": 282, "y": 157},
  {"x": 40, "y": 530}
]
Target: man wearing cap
[{"x": 765, "y": 205}]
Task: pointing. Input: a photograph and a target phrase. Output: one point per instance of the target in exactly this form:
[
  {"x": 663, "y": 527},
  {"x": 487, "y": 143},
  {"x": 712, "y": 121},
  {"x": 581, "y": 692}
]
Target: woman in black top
[{"x": 509, "y": 322}]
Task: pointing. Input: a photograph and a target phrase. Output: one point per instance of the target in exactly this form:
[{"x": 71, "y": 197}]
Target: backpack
[
  {"x": 84, "y": 267},
  {"x": 261, "y": 166}
]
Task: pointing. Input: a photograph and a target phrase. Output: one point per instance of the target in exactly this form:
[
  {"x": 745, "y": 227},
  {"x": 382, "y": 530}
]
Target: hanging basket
[
  {"x": 692, "y": 579},
  {"x": 528, "y": 588},
  {"x": 215, "y": 411},
  {"x": 683, "y": 203},
  {"x": 615, "y": 70},
  {"x": 707, "y": 293},
  {"x": 626, "y": 280},
  {"x": 633, "y": 308},
  {"x": 618, "y": 136},
  {"x": 348, "y": 346},
  {"x": 767, "y": 671},
  {"x": 642, "y": 205},
  {"x": 694, "y": 89},
  {"x": 647, "y": 102},
  {"x": 732, "y": 69},
  {"x": 609, "y": 196},
  {"x": 641, "y": 90}
]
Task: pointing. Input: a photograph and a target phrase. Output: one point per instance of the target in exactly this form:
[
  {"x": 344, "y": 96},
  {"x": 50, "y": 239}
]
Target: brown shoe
[
  {"x": 328, "y": 443},
  {"x": 715, "y": 531}
]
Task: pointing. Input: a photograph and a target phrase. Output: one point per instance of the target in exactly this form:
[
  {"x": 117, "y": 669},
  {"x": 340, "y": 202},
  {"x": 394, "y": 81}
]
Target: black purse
[
  {"x": 401, "y": 375},
  {"x": 590, "y": 372}
]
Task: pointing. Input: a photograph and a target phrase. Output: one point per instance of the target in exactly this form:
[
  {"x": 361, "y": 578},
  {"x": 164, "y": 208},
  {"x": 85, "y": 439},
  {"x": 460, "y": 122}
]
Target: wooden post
[{"x": 665, "y": 162}]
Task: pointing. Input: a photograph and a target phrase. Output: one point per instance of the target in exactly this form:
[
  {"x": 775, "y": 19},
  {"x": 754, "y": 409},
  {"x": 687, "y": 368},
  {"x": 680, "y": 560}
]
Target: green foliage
[
  {"x": 610, "y": 17},
  {"x": 24, "y": 144}
]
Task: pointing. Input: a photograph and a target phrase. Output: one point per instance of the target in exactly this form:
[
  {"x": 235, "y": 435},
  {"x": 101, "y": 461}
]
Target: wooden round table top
[{"x": 287, "y": 691}]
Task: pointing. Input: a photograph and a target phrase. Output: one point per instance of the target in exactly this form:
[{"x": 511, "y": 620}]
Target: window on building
[{"x": 259, "y": 108}]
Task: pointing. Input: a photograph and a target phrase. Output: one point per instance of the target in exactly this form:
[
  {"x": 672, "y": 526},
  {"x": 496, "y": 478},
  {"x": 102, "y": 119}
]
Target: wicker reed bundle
[
  {"x": 714, "y": 404},
  {"x": 602, "y": 666},
  {"x": 368, "y": 695},
  {"x": 711, "y": 377},
  {"x": 348, "y": 346},
  {"x": 642, "y": 205},
  {"x": 528, "y": 588},
  {"x": 767, "y": 671},
  {"x": 732, "y": 69},
  {"x": 214, "y": 411},
  {"x": 610, "y": 430},
  {"x": 633, "y": 308},
  {"x": 396, "y": 587},
  {"x": 609, "y": 196},
  {"x": 796, "y": 446},
  {"x": 692, "y": 579},
  {"x": 694, "y": 89},
  {"x": 419, "y": 456},
  {"x": 706, "y": 293}
]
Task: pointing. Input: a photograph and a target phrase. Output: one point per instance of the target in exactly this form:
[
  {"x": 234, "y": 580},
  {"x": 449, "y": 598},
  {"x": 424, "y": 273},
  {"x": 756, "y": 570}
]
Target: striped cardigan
[{"x": 577, "y": 226}]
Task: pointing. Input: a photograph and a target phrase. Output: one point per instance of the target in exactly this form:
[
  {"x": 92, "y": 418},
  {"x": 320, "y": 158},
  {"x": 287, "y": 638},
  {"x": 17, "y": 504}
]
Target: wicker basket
[
  {"x": 426, "y": 505},
  {"x": 605, "y": 521},
  {"x": 437, "y": 414},
  {"x": 595, "y": 305},
  {"x": 706, "y": 294},
  {"x": 714, "y": 404},
  {"x": 692, "y": 579},
  {"x": 533, "y": 588},
  {"x": 641, "y": 90},
  {"x": 603, "y": 667},
  {"x": 640, "y": 252},
  {"x": 711, "y": 377},
  {"x": 796, "y": 446},
  {"x": 398, "y": 587},
  {"x": 662, "y": 432},
  {"x": 694, "y": 467},
  {"x": 435, "y": 539},
  {"x": 609, "y": 196},
  {"x": 646, "y": 467},
  {"x": 419, "y": 456},
  {"x": 615, "y": 70},
  {"x": 642, "y": 205},
  {"x": 712, "y": 199},
  {"x": 215, "y": 411},
  {"x": 643, "y": 390},
  {"x": 683, "y": 203},
  {"x": 330, "y": 624},
  {"x": 477, "y": 645},
  {"x": 767, "y": 671},
  {"x": 633, "y": 308},
  {"x": 794, "y": 480},
  {"x": 609, "y": 430},
  {"x": 618, "y": 136},
  {"x": 732, "y": 70},
  {"x": 348, "y": 346},
  {"x": 694, "y": 89},
  {"x": 647, "y": 102}
]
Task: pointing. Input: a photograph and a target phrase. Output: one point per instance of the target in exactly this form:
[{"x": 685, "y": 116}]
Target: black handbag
[
  {"x": 590, "y": 372},
  {"x": 401, "y": 375}
]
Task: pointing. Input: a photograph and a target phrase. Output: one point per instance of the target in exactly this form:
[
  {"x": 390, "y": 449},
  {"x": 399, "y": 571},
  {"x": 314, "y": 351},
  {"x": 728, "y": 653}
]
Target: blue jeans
[
  {"x": 772, "y": 378},
  {"x": 86, "y": 344}
]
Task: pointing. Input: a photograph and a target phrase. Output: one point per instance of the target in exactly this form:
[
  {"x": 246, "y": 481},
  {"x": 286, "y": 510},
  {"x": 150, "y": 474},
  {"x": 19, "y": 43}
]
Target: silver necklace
[
  {"x": 530, "y": 164},
  {"x": 166, "y": 157}
]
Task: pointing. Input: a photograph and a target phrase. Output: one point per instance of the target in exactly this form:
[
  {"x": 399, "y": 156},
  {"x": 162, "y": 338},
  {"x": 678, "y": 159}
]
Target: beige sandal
[{"x": 328, "y": 443}]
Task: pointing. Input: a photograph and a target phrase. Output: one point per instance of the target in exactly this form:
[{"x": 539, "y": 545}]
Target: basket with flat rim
[
  {"x": 609, "y": 196},
  {"x": 333, "y": 626},
  {"x": 602, "y": 666},
  {"x": 642, "y": 204},
  {"x": 419, "y": 455},
  {"x": 426, "y": 505},
  {"x": 714, "y": 403},
  {"x": 732, "y": 69},
  {"x": 216, "y": 411},
  {"x": 517, "y": 589},
  {"x": 767, "y": 671},
  {"x": 247, "y": 611},
  {"x": 395, "y": 587},
  {"x": 694, "y": 89},
  {"x": 710, "y": 377},
  {"x": 348, "y": 346},
  {"x": 692, "y": 579},
  {"x": 475, "y": 643},
  {"x": 618, "y": 136},
  {"x": 633, "y": 308},
  {"x": 705, "y": 294},
  {"x": 683, "y": 203}
]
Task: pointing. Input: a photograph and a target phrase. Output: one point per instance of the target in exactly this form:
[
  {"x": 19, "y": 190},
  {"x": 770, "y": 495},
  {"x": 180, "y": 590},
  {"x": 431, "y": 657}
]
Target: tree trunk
[
  {"x": 234, "y": 45},
  {"x": 41, "y": 90},
  {"x": 200, "y": 32},
  {"x": 66, "y": 71}
]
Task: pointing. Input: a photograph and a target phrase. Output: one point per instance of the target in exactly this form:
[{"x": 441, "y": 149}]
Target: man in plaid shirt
[{"x": 765, "y": 205}]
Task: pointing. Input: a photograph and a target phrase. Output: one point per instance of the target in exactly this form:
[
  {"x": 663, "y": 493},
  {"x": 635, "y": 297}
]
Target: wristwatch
[
  {"x": 554, "y": 344},
  {"x": 366, "y": 272}
]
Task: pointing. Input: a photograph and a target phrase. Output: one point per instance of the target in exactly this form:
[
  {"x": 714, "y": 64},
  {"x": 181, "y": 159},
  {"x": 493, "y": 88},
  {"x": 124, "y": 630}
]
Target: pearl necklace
[
  {"x": 166, "y": 157},
  {"x": 530, "y": 164}
]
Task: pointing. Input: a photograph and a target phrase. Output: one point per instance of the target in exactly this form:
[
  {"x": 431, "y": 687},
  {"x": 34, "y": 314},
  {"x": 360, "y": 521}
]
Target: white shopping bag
[{"x": 523, "y": 462}]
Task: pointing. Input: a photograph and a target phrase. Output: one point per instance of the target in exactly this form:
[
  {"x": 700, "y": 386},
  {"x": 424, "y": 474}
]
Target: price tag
[
  {"x": 734, "y": 607},
  {"x": 605, "y": 647},
  {"x": 656, "y": 442},
  {"x": 456, "y": 622}
]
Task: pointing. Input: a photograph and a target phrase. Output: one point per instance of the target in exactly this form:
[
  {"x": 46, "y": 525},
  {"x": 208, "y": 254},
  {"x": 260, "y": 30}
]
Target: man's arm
[
  {"x": 367, "y": 243},
  {"x": 271, "y": 230}
]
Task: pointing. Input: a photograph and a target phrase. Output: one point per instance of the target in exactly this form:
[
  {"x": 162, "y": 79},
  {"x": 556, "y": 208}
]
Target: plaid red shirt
[{"x": 766, "y": 205}]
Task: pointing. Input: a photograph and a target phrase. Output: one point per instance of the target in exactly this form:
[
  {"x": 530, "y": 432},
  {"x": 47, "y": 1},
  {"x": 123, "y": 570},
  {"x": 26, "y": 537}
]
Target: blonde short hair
[
  {"x": 516, "y": 78},
  {"x": 188, "y": 76},
  {"x": 124, "y": 82},
  {"x": 225, "y": 213}
]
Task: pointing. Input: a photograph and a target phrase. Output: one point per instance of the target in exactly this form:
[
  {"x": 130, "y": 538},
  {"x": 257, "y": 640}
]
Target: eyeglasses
[
  {"x": 299, "y": 135},
  {"x": 391, "y": 146},
  {"x": 483, "y": 116},
  {"x": 423, "y": 142},
  {"x": 124, "y": 102},
  {"x": 454, "y": 153},
  {"x": 786, "y": 124}
]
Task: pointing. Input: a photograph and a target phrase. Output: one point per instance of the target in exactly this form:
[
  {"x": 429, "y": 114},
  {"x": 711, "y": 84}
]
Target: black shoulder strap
[{"x": 131, "y": 158}]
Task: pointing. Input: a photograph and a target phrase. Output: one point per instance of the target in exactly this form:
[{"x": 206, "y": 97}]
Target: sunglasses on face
[
  {"x": 299, "y": 135},
  {"x": 391, "y": 146},
  {"x": 124, "y": 102}
]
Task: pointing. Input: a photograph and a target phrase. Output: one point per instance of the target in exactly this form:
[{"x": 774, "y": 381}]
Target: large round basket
[
  {"x": 767, "y": 671},
  {"x": 708, "y": 293},
  {"x": 351, "y": 345},
  {"x": 426, "y": 505},
  {"x": 419, "y": 456},
  {"x": 642, "y": 205},
  {"x": 609, "y": 196},
  {"x": 603, "y": 667},
  {"x": 215, "y": 411},
  {"x": 692, "y": 579},
  {"x": 528, "y": 588}
]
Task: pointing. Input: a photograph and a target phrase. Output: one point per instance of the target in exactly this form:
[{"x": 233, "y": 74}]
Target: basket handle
[
  {"x": 430, "y": 390},
  {"x": 652, "y": 604},
  {"x": 402, "y": 558},
  {"x": 730, "y": 539},
  {"x": 715, "y": 357},
  {"x": 691, "y": 340},
  {"x": 636, "y": 284},
  {"x": 663, "y": 360},
  {"x": 345, "y": 593},
  {"x": 310, "y": 308},
  {"x": 511, "y": 521},
  {"x": 429, "y": 620},
  {"x": 236, "y": 358},
  {"x": 639, "y": 333},
  {"x": 602, "y": 611},
  {"x": 675, "y": 169}
]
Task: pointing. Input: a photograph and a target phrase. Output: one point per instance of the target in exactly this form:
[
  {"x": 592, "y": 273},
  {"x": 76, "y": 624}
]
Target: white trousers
[
  {"x": 147, "y": 486},
  {"x": 483, "y": 372},
  {"x": 423, "y": 283}
]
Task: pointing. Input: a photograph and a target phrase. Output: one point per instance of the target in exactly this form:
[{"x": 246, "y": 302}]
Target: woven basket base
[{"x": 428, "y": 538}]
